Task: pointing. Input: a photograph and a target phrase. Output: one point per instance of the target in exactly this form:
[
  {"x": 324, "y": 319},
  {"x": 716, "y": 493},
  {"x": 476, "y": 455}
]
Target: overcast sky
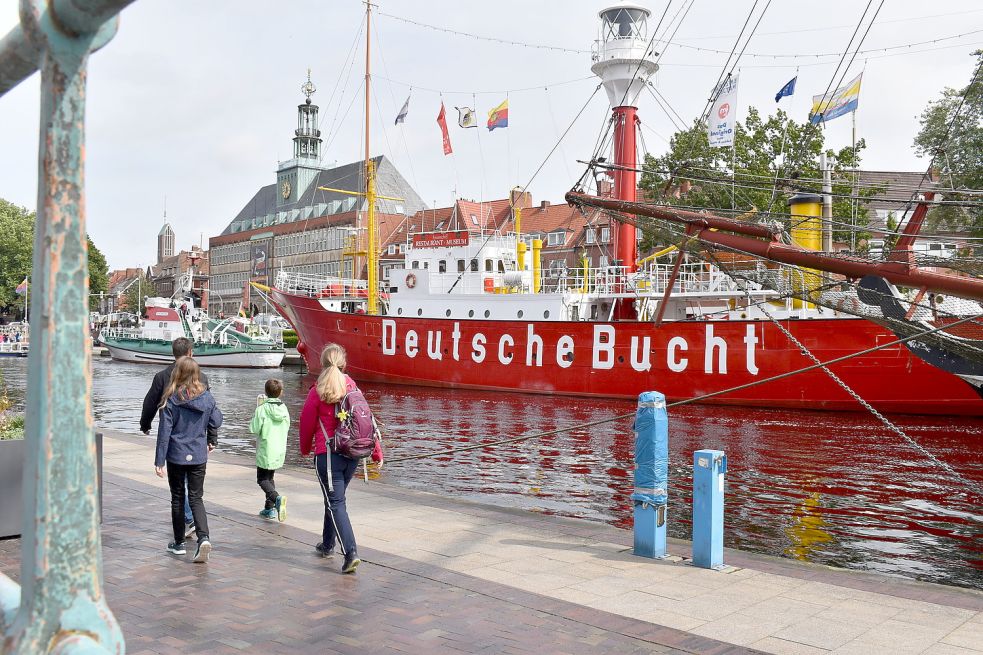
[{"x": 196, "y": 101}]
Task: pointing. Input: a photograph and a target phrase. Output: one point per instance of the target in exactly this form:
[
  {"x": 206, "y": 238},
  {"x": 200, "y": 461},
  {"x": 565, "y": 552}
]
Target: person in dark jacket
[
  {"x": 180, "y": 347},
  {"x": 187, "y": 413}
]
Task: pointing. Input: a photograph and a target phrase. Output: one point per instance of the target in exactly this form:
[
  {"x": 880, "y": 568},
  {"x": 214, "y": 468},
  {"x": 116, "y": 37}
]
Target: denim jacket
[{"x": 181, "y": 432}]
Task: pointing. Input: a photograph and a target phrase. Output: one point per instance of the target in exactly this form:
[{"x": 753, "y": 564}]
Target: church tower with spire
[{"x": 295, "y": 175}]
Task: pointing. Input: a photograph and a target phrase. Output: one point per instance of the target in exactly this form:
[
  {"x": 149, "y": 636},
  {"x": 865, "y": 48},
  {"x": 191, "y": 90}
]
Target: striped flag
[{"x": 21, "y": 288}]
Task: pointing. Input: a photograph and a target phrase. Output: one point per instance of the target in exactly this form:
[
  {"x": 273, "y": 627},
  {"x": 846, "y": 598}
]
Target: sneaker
[
  {"x": 281, "y": 508},
  {"x": 204, "y": 547},
  {"x": 268, "y": 514},
  {"x": 176, "y": 548},
  {"x": 351, "y": 563},
  {"x": 324, "y": 552},
  {"x": 189, "y": 529}
]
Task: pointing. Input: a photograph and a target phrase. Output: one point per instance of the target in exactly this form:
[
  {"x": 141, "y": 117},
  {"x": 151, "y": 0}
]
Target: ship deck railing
[
  {"x": 317, "y": 286},
  {"x": 696, "y": 278}
]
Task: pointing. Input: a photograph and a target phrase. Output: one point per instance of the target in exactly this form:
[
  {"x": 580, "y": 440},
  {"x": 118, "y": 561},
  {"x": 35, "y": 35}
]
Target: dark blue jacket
[{"x": 182, "y": 427}]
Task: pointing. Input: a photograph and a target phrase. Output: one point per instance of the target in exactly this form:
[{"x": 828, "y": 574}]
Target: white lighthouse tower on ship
[{"x": 624, "y": 61}]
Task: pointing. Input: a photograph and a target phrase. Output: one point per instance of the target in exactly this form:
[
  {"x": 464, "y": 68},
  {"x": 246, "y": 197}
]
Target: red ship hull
[{"x": 682, "y": 360}]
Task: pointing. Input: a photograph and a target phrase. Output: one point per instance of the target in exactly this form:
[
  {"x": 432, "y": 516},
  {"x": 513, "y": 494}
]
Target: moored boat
[
  {"x": 467, "y": 310},
  {"x": 226, "y": 343}
]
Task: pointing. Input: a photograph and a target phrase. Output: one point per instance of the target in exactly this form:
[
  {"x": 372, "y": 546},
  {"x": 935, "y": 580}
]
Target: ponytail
[{"x": 331, "y": 385}]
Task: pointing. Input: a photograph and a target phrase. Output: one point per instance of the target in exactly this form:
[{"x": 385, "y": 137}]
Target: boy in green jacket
[{"x": 270, "y": 424}]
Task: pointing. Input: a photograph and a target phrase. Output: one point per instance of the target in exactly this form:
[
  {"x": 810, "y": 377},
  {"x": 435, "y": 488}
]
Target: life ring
[{"x": 411, "y": 280}]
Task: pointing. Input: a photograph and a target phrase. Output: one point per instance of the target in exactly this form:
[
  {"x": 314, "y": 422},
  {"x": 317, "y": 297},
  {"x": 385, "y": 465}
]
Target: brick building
[{"x": 297, "y": 223}]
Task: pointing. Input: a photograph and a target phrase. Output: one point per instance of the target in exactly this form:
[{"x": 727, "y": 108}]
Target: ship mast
[
  {"x": 624, "y": 63},
  {"x": 372, "y": 257}
]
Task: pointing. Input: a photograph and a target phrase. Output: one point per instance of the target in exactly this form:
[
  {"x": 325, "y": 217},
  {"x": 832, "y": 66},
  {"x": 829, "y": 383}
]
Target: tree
[
  {"x": 756, "y": 159},
  {"x": 17, "y": 251},
  {"x": 16, "y": 245},
  {"x": 954, "y": 143},
  {"x": 98, "y": 273},
  {"x": 134, "y": 299}
]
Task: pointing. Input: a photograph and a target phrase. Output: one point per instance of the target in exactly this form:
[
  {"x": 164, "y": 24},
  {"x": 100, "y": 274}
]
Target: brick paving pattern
[{"x": 268, "y": 593}]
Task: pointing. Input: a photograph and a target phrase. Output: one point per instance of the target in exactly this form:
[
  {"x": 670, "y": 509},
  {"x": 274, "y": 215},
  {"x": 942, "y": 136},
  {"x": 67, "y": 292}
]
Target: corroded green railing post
[{"x": 60, "y": 607}]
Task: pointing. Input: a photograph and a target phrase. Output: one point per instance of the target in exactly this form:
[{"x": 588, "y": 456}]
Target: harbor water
[{"x": 831, "y": 488}]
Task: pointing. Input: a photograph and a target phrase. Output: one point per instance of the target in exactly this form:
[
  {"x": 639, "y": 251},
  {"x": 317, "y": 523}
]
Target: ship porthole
[
  {"x": 470, "y": 313},
  {"x": 419, "y": 312},
  {"x": 546, "y": 314},
  {"x": 448, "y": 313},
  {"x": 487, "y": 313},
  {"x": 519, "y": 313}
]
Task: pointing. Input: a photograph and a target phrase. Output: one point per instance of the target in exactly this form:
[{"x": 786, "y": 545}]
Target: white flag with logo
[{"x": 722, "y": 122}]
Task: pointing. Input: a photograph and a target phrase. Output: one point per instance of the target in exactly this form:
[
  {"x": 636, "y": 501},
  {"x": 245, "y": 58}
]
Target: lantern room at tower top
[{"x": 622, "y": 58}]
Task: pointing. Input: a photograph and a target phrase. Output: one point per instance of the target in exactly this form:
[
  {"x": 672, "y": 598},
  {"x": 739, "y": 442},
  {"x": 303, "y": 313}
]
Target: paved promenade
[{"x": 446, "y": 576}]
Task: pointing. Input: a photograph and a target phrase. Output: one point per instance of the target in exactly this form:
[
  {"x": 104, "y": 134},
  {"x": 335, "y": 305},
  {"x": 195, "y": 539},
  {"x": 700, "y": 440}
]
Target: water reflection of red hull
[{"x": 680, "y": 359}]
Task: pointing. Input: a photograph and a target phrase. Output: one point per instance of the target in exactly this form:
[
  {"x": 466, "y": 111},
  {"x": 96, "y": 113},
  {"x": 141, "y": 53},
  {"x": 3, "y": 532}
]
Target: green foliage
[
  {"x": 134, "y": 300},
  {"x": 957, "y": 150},
  {"x": 17, "y": 250},
  {"x": 290, "y": 339},
  {"x": 11, "y": 425},
  {"x": 755, "y": 159},
  {"x": 892, "y": 225},
  {"x": 98, "y": 273},
  {"x": 16, "y": 241}
]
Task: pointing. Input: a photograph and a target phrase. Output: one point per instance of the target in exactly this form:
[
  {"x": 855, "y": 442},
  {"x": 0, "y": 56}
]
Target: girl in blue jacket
[{"x": 186, "y": 414}]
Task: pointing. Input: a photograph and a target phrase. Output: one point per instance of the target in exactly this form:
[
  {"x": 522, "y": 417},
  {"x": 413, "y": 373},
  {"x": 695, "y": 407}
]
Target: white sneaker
[{"x": 201, "y": 555}]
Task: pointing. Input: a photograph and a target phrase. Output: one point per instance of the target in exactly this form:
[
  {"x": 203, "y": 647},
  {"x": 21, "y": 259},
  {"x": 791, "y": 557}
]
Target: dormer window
[
  {"x": 392, "y": 249},
  {"x": 589, "y": 235},
  {"x": 556, "y": 238},
  {"x": 605, "y": 234}
]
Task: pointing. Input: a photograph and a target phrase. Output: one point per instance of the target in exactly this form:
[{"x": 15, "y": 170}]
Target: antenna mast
[{"x": 372, "y": 250}]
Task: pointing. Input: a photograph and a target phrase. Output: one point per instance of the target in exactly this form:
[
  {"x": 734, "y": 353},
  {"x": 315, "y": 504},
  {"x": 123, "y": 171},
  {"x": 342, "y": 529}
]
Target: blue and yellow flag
[
  {"x": 499, "y": 116},
  {"x": 833, "y": 105}
]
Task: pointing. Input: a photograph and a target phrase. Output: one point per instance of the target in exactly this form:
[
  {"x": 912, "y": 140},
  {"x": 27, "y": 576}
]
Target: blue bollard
[
  {"x": 651, "y": 475},
  {"x": 709, "y": 467}
]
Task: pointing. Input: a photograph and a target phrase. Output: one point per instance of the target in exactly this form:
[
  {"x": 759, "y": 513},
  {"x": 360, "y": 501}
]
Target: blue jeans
[
  {"x": 336, "y": 521},
  {"x": 188, "y": 516}
]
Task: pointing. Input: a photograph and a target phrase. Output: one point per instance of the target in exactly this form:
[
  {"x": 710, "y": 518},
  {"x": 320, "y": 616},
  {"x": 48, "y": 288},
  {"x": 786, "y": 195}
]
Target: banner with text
[
  {"x": 441, "y": 239},
  {"x": 722, "y": 123}
]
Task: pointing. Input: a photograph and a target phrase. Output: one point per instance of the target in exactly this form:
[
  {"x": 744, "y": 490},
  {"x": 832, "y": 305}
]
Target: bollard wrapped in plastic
[{"x": 651, "y": 450}]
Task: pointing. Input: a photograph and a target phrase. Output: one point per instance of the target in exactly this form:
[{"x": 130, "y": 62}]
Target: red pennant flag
[{"x": 442, "y": 121}]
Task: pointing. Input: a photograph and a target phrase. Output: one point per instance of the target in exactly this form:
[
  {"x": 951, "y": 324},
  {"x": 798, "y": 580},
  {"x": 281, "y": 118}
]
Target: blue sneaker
[
  {"x": 268, "y": 514},
  {"x": 281, "y": 508}
]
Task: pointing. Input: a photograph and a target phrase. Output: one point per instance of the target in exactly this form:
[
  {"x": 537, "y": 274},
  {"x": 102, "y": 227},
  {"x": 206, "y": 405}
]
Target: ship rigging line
[
  {"x": 688, "y": 401},
  {"x": 556, "y": 145}
]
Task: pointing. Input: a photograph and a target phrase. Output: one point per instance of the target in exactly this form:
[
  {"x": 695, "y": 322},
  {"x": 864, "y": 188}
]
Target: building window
[
  {"x": 474, "y": 265},
  {"x": 461, "y": 265},
  {"x": 392, "y": 249},
  {"x": 603, "y": 261},
  {"x": 474, "y": 219},
  {"x": 605, "y": 234},
  {"x": 402, "y": 249},
  {"x": 442, "y": 266},
  {"x": 489, "y": 265},
  {"x": 501, "y": 266},
  {"x": 589, "y": 235},
  {"x": 415, "y": 264}
]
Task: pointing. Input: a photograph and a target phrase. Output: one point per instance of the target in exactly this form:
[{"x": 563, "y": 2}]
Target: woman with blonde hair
[
  {"x": 187, "y": 412},
  {"x": 318, "y": 421}
]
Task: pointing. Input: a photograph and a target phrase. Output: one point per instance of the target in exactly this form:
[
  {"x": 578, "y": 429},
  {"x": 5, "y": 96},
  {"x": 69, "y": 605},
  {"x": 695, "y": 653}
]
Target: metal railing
[
  {"x": 316, "y": 286},
  {"x": 61, "y": 607}
]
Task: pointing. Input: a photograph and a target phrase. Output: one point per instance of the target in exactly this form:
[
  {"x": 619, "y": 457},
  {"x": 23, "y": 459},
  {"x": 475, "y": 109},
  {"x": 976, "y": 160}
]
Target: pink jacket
[
  {"x": 315, "y": 409},
  {"x": 316, "y": 413}
]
